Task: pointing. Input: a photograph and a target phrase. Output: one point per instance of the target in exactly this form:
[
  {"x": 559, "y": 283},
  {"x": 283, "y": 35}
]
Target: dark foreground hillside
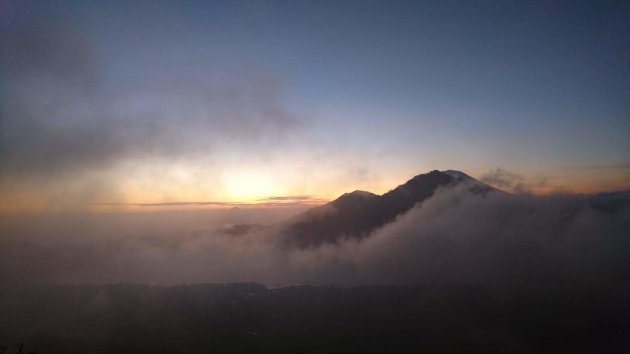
[{"x": 558, "y": 317}]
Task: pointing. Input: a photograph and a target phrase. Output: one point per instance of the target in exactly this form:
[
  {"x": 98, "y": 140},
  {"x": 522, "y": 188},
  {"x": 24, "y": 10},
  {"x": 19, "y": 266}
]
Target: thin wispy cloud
[{"x": 271, "y": 201}]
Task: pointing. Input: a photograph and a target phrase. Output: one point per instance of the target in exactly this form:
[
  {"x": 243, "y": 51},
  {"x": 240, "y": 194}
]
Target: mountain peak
[
  {"x": 353, "y": 198},
  {"x": 359, "y": 193},
  {"x": 459, "y": 175},
  {"x": 358, "y": 213}
]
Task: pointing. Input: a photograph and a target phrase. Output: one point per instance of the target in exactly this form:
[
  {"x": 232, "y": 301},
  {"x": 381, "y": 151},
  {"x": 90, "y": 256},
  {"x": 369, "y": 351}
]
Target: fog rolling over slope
[
  {"x": 273, "y": 176},
  {"x": 357, "y": 214},
  {"x": 442, "y": 263},
  {"x": 433, "y": 228}
]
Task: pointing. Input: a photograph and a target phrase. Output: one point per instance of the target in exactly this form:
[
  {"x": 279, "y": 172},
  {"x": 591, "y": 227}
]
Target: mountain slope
[{"x": 358, "y": 213}]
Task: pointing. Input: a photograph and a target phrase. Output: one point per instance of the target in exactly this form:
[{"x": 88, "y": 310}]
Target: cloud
[
  {"x": 459, "y": 237},
  {"x": 503, "y": 179},
  {"x": 272, "y": 201},
  {"x": 64, "y": 115},
  {"x": 291, "y": 199},
  {"x": 454, "y": 237},
  {"x": 515, "y": 183}
]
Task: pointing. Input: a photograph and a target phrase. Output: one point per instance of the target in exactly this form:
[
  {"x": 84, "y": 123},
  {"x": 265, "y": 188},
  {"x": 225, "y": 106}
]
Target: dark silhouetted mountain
[{"x": 359, "y": 213}]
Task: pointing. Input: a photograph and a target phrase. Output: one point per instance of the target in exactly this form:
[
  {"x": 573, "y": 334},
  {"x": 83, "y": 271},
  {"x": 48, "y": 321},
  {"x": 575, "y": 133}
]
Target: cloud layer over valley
[{"x": 454, "y": 237}]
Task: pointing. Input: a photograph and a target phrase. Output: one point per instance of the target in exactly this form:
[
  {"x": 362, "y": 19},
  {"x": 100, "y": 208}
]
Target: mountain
[{"x": 356, "y": 214}]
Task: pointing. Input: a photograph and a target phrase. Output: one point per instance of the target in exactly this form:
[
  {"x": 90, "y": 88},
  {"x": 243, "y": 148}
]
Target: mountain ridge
[{"x": 358, "y": 213}]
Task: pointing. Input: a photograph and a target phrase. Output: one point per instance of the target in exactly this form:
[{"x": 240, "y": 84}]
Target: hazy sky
[{"x": 141, "y": 102}]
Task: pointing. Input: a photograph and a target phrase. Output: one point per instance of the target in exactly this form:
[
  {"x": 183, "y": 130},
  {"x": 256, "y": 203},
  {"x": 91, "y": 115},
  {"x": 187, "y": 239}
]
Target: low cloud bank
[{"x": 454, "y": 237}]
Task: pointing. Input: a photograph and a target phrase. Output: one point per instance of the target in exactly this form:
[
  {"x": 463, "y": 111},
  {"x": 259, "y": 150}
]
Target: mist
[
  {"x": 455, "y": 237},
  {"x": 76, "y": 125}
]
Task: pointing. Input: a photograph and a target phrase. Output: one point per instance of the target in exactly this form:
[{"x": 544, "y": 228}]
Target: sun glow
[{"x": 249, "y": 186}]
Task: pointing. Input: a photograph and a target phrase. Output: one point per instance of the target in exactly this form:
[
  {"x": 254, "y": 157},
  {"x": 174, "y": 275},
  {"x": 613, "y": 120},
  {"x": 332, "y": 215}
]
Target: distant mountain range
[{"x": 357, "y": 214}]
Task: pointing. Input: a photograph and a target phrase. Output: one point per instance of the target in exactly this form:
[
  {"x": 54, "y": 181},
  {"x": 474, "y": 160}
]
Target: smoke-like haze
[
  {"x": 60, "y": 113},
  {"x": 73, "y": 127},
  {"x": 454, "y": 237},
  {"x": 513, "y": 182}
]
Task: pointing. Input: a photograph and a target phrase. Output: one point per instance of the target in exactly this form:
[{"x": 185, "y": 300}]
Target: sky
[{"x": 105, "y": 104}]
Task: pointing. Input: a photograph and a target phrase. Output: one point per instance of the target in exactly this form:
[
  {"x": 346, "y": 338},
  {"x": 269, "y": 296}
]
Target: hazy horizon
[
  {"x": 236, "y": 101},
  {"x": 314, "y": 176}
]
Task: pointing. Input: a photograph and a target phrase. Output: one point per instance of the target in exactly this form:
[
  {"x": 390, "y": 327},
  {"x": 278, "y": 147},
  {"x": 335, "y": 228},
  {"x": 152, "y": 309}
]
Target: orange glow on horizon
[{"x": 244, "y": 188}]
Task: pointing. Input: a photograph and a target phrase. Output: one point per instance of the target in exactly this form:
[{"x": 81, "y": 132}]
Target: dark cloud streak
[{"x": 300, "y": 200}]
